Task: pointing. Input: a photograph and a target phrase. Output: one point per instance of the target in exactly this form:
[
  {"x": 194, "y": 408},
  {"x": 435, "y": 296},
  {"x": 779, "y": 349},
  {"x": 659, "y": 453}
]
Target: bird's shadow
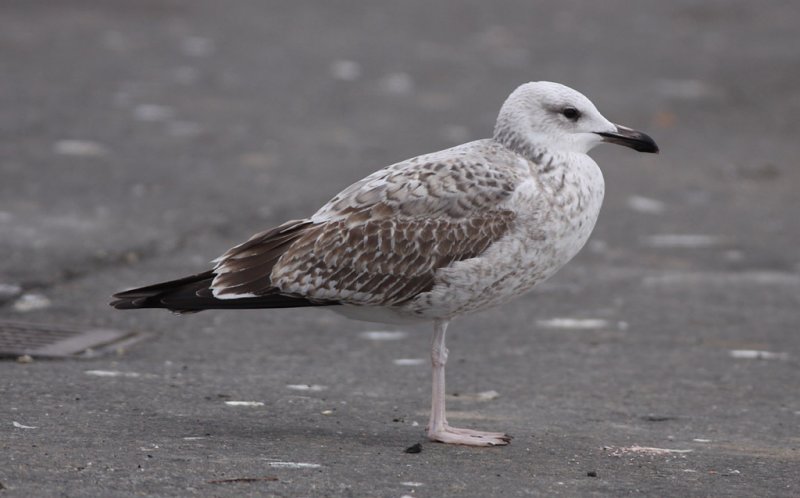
[{"x": 271, "y": 431}]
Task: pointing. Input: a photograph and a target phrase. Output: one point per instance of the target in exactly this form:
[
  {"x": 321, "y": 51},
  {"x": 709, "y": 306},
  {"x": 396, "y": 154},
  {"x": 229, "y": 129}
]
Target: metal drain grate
[{"x": 45, "y": 340}]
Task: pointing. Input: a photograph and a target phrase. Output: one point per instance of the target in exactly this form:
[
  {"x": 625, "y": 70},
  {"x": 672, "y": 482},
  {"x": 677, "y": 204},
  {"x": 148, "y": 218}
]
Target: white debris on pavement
[
  {"x": 384, "y": 335},
  {"x": 754, "y": 354},
  {"x": 112, "y": 373},
  {"x": 573, "y": 323},
  {"x": 481, "y": 396},
  {"x": 244, "y": 403},
  {"x": 487, "y": 395},
  {"x": 682, "y": 241},
  {"x": 31, "y": 302},
  {"x": 645, "y": 205},
  {"x": 408, "y": 362},
  {"x": 412, "y": 484},
  {"x": 80, "y": 148},
  {"x": 294, "y": 465},
  {"x": 20, "y": 426},
  {"x": 643, "y": 450},
  {"x": 306, "y": 387}
]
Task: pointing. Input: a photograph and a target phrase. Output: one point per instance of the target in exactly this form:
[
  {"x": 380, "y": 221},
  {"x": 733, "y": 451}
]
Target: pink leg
[{"x": 438, "y": 428}]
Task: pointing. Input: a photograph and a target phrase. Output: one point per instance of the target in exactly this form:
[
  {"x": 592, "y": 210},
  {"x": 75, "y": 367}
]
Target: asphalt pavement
[{"x": 139, "y": 140}]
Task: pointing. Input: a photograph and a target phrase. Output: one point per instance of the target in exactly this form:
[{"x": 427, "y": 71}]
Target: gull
[{"x": 430, "y": 238}]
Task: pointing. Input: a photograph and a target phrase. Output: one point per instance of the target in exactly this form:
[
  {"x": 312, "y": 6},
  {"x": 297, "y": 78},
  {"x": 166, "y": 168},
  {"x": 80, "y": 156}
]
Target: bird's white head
[{"x": 551, "y": 116}]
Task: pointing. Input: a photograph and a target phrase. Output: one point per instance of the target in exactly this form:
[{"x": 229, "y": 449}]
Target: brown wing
[
  {"x": 382, "y": 262},
  {"x": 381, "y": 240}
]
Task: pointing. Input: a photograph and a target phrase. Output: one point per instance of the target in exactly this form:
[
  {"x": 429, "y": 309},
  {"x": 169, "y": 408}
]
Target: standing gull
[{"x": 430, "y": 238}]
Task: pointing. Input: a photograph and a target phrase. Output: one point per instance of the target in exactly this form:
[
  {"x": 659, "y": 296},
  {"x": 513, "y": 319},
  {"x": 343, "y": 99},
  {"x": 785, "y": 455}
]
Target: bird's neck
[{"x": 528, "y": 146}]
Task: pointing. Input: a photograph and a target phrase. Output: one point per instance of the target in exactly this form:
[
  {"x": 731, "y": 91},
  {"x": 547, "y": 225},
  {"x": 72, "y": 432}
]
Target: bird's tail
[{"x": 192, "y": 294}]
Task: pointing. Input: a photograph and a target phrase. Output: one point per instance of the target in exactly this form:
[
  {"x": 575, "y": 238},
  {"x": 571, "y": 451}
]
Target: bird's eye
[{"x": 571, "y": 113}]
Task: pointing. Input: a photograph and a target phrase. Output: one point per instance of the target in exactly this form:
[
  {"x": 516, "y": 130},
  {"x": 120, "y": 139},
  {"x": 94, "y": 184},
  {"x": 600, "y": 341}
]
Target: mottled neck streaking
[
  {"x": 538, "y": 154},
  {"x": 510, "y": 137},
  {"x": 513, "y": 130}
]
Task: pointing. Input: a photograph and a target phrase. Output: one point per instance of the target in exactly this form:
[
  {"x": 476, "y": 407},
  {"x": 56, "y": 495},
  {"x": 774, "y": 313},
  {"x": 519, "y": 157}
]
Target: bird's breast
[{"x": 555, "y": 214}]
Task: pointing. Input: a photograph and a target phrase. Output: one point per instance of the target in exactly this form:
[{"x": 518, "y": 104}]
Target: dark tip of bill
[
  {"x": 633, "y": 139},
  {"x": 646, "y": 144}
]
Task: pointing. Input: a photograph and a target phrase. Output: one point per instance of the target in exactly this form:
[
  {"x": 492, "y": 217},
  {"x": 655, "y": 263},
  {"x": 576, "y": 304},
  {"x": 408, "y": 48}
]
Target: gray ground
[{"x": 201, "y": 122}]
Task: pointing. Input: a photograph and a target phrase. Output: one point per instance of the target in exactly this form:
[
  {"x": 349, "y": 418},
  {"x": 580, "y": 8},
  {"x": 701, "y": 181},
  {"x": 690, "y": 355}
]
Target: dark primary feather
[{"x": 192, "y": 294}]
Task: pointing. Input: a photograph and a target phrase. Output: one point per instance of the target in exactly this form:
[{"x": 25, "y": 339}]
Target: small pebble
[
  {"x": 417, "y": 448},
  {"x": 592, "y": 473}
]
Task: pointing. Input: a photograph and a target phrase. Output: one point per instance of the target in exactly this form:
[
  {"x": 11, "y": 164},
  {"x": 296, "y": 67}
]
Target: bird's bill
[{"x": 629, "y": 137}]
